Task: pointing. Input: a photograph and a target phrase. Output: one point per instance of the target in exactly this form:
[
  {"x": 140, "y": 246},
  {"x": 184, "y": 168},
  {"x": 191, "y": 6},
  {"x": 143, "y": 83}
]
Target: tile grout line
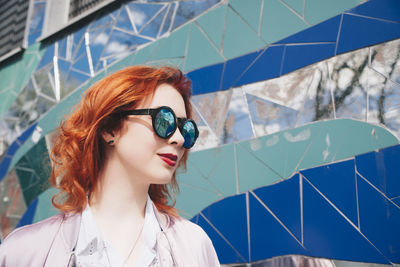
[
  {"x": 348, "y": 220},
  {"x": 294, "y": 12},
  {"x": 260, "y": 19},
  {"x": 358, "y": 203},
  {"x": 377, "y": 189},
  {"x": 236, "y": 168},
  {"x": 275, "y": 217},
  {"x": 371, "y": 18},
  {"x": 262, "y": 162},
  {"x": 209, "y": 40},
  {"x": 331, "y": 203},
  {"x": 131, "y": 18},
  {"x": 301, "y": 206},
  {"x": 221, "y": 49},
  {"x": 221, "y": 235},
  {"x": 248, "y": 224},
  {"x": 248, "y": 109},
  {"x": 338, "y": 35}
]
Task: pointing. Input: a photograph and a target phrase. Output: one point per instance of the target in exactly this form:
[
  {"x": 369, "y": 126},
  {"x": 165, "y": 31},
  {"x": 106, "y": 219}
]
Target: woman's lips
[{"x": 170, "y": 159}]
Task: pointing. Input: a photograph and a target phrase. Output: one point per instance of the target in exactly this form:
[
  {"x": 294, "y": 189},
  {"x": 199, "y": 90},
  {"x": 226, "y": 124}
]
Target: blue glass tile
[
  {"x": 26, "y": 134},
  {"x": 4, "y": 164},
  {"x": 47, "y": 57},
  {"x": 382, "y": 9},
  {"x": 368, "y": 32},
  {"x": 338, "y": 183},
  {"x": 229, "y": 217},
  {"x": 379, "y": 220},
  {"x": 267, "y": 66},
  {"x": 328, "y": 234},
  {"x": 298, "y": 56},
  {"x": 381, "y": 169},
  {"x": 283, "y": 199},
  {"x": 27, "y": 218},
  {"x": 235, "y": 67},
  {"x": 206, "y": 80},
  {"x": 268, "y": 237},
  {"x": 395, "y": 200},
  {"x": 82, "y": 64},
  {"x": 36, "y": 23},
  {"x": 323, "y": 32},
  {"x": 195, "y": 219},
  {"x": 13, "y": 148},
  {"x": 226, "y": 254}
]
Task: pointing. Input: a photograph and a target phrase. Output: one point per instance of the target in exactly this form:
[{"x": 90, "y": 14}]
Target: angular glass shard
[
  {"x": 152, "y": 29},
  {"x": 269, "y": 117},
  {"x": 103, "y": 21},
  {"x": 12, "y": 203},
  {"x": 141, "y": 13},
  {"x": 168, "y": 19},
  {"x": 237, "y": 124},
  {"x": 190, "y": 9},
  {"x": 47, "y": 57},
  {"x": 384, "y": 58},
  {"x": 121, "y": 42},
  {"x": 213, "y": 109},
  {"x": 36, "y": 22},
  {"x": 124, "y": 20}
]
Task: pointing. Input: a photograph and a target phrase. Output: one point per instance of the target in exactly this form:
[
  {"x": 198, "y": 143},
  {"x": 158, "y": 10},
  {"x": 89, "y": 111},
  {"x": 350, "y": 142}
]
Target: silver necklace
[{"x": 130, "y": 252}]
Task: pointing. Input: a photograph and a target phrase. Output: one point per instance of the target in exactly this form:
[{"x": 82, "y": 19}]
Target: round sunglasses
[{"x": 165, "y": 123}]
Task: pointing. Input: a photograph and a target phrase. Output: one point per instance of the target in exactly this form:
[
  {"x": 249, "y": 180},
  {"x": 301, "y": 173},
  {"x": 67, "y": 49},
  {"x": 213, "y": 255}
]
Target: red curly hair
[{"x": 78, "y": 150}]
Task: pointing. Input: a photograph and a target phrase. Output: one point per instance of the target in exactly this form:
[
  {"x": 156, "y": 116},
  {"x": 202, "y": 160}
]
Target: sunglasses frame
[{"x": 179, "y": 122}]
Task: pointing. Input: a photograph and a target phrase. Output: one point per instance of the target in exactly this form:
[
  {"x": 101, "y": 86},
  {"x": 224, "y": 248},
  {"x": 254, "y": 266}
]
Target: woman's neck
[{"x": 118, "y": 194}]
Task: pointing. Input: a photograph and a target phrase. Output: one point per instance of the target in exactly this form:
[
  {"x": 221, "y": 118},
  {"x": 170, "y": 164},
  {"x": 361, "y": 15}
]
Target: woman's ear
[{"x": 108, "y": 137}]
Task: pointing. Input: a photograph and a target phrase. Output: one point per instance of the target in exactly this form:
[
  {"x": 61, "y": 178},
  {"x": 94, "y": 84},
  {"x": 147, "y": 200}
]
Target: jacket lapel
[{"x": 65, "y": 241}]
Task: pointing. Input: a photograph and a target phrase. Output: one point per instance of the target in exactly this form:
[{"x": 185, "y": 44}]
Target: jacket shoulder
[{"x": 31, "y": 239}]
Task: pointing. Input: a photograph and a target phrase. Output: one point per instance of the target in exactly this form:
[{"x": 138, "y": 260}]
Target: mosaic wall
[{"x": 285, "y": 92}]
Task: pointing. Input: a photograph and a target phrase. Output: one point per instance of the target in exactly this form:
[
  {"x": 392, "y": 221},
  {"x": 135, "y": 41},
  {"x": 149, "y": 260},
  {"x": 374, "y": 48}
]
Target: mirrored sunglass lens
[
  {"x": 189, "y": 134},
  {"x": 165, "y": 123}
]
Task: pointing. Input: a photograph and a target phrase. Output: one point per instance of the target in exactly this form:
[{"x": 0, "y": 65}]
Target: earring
[{"x": 110, "y": 142}]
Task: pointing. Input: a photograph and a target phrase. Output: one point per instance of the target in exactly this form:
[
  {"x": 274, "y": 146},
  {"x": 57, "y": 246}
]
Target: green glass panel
[
  {"x": 252, "y": 171},
  {"x": 239, "y": 37},
  {"x": 297, "y": 5},
  {"x": 362, "y": 137},
  {"x": 44, "y": 208},
  {"x": 279, "y": 22},
  {"x": 218, "y": 166},
  {"x": 213, "y": 24},
  {"x": 16, "y": 74},
  {"x": 249, "y": 11},
  {"x": 319, "y": 10},
  {"x": 174, "y": 46},
  {"x": 171, "y": 62},
  {"x": 200, "y": 52},
  {"x": 191, "y": 201},
  {"x": 119, "y": 65},
  {"x": 144, "y": 54},
  {"x": 33, "y": 171}
]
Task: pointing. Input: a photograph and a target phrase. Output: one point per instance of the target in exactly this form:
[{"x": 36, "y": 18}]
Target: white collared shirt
[{"x": 92, "y": 249}]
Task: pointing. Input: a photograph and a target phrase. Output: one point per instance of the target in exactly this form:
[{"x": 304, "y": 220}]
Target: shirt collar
[{"x": 91, "y": 238}]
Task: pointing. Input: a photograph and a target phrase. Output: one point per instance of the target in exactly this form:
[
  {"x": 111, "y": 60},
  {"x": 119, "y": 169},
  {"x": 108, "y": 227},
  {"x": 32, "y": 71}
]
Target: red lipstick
[{"x": 168, "y": 158}]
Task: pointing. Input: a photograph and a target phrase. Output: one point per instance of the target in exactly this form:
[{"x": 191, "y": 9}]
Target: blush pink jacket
[{"x": 51, "y": 243}]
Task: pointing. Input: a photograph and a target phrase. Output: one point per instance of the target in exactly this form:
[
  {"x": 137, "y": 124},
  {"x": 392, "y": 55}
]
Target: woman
[{"x": 112, "y": 161}]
